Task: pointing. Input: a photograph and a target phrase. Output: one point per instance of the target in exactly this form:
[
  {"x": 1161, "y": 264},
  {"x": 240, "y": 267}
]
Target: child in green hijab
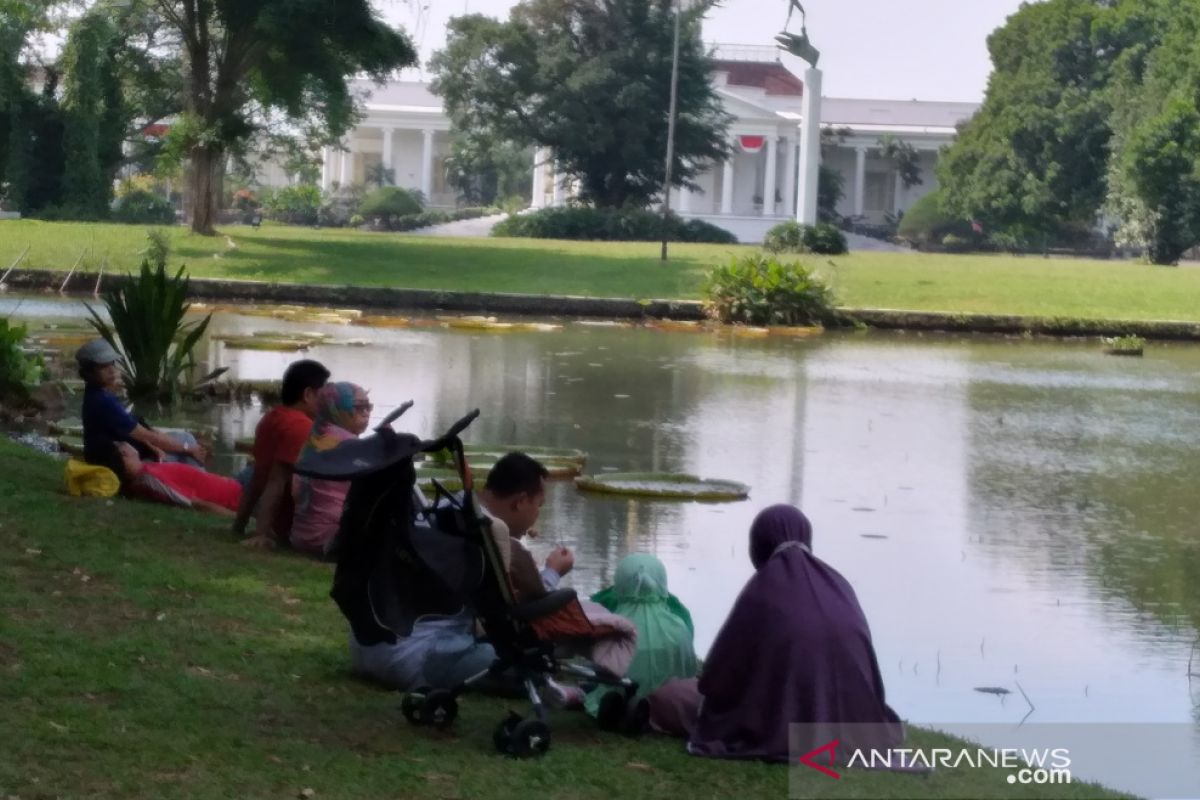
[{"x": 664, "y": 641}]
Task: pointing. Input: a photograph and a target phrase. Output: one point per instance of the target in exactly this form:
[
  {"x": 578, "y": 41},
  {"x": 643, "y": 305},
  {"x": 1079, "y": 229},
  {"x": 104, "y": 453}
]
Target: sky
[{"x": 879, "y": 49}]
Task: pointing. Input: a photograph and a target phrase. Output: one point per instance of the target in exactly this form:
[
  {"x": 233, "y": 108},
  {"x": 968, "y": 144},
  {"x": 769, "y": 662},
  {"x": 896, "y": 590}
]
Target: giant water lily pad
[
  {"x": 795, "y": 330},
  {"x": 566, "y": 460},
  {"x": 384, "y": 322},
  {"x": 663, "y": 485},
  {"x": 684, "y": 325},
  {"x": 278, "y": 343},
  {"x": 475, "y": 323},
  {"x": 73, "y": 445}
]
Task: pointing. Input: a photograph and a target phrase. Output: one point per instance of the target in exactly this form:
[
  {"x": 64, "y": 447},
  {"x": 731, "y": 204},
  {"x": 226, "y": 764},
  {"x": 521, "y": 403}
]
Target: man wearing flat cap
[{"x": 106, "y": 421}]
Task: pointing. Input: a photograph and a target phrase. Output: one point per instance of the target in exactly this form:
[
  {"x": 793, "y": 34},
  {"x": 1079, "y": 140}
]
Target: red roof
[
  {"x": 156, "y": 130},
  {"x": 774, "y": 78}
]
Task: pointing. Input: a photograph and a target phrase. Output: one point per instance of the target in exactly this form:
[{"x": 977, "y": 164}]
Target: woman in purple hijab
[{"x": 795, "y": 649}]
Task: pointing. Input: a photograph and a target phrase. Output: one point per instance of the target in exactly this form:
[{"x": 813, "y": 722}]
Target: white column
[
  {"x": 388, "y": 150},
  {"x": 810, "y": 147},
  {"x": 789, "y": 176},
  {"x": 538, "y": 199},
  {"x": 768, "y": 208},
  {"x": 860, "y": 180},
  {"x": 727, "y": 186},
  {"x": 347, "y": 160},
  {"x": 427, "y": 165},
  {"x": 560, "y": 189},
  {"x": 326, "y": 169}
]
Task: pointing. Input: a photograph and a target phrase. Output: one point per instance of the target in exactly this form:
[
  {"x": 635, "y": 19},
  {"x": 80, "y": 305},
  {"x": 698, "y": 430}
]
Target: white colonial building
[{"x": 405, "y": 129}]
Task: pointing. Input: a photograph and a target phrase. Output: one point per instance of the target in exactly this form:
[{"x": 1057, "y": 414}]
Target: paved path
[
  {"x": 858, "y": 243},
  {"x": 468, "y": 228}
]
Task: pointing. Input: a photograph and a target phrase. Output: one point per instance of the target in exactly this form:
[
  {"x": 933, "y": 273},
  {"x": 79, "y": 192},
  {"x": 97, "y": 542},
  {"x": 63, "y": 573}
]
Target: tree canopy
[
  {"x": 590, "y": 80},
  {"x": 1091, "y": 109}
]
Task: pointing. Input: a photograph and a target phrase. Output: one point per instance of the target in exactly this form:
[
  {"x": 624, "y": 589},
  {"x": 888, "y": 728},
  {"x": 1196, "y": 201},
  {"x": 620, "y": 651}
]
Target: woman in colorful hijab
[
  {"x": 664, "y": 627},
  {"x": 343, "y": 413},
  {"x": 795, "y": 649}
]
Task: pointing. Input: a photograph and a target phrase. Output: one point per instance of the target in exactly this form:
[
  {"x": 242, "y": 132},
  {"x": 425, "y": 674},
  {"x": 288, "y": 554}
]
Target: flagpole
[{"x": 666, "y": 194}]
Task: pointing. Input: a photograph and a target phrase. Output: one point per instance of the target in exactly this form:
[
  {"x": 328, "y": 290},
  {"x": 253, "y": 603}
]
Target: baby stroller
[{"x": 400, "y": 557}]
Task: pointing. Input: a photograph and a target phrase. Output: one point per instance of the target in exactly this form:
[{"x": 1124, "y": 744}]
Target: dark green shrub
[
  {"x": 761, "y": 290},
  {"x": 147, "y": 329},
  {"x": 294, "y": 205},
  {"x": 926, "y": 223},
  {"x": 18, "y": 371},
  {"x": 609, "y": 224},
  {"x": 389, "y": 202},
  {"x": 140, "y": 207},
  {"x": 792, "y": 237}
]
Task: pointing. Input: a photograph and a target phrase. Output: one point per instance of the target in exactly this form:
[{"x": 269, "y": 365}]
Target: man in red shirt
[{"x": 278, "y": 440}]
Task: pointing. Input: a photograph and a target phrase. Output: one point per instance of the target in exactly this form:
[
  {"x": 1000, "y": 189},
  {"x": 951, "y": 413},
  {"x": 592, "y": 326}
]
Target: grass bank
[
  {"x": 983, "y": 284},
  {"x": 143, "y": 653}
]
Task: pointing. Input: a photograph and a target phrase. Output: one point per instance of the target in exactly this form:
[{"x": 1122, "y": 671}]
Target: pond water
[{"x": 1009, "y": 511}]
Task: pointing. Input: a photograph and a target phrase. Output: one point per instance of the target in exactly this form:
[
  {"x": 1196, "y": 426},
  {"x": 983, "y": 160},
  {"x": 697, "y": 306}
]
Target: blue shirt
[{"x": 105, "y": 421}]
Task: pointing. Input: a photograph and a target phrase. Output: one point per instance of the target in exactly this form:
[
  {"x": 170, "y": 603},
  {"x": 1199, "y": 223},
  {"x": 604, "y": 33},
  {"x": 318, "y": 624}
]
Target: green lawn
[
  {"x": 143, "y": 653},
  {"x": 916, "y": 282}
]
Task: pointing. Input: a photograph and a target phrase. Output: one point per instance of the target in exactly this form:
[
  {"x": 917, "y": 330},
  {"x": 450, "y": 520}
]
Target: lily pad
[
  {"x": 475, "y": 323},
  {"x": 493, "y": 452},
  {"x": 795, "y": 330},
  {"x": 384, "y": 322},
  {"x": 663, "y": 485},
  {"x": 675, "y": 325},
  {"x": 277, "y": 345},
  {"x": 749, "y": 331},
  {"x": 72, "y": 445}
]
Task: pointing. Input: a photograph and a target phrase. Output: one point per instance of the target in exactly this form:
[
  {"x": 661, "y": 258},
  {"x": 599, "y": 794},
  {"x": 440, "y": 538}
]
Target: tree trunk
[{"x": 203, "y": 184}]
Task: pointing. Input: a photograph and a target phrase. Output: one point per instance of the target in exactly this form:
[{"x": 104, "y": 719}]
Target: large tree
[
  {"x": 589, "y": 79},
  {"x": 1034, "y": 158},
  {"x": 247, "y": 59}
]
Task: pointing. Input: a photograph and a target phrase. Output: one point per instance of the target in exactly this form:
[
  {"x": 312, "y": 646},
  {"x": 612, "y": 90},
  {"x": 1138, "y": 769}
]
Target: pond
[{"x": 1009, "y": 511}]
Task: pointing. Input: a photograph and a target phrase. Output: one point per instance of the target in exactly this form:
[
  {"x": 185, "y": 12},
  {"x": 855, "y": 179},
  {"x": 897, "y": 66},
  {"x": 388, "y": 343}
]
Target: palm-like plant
[{"x": 147, "y": 329}]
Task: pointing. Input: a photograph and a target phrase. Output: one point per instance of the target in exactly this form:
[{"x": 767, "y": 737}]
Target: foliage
[
  {"x": 760, "y": 290},
  {"x": 514, "y": 204},
  {"x": 484, "y": 170},
  {"x": 387, "y": 203},
  {"x": 251, "y": 59},
  {"x": 94, "y": 116},
  {"x": 589, "y": 81},
  {"x": 148, "y": 330},
  {"x": 295, "y": 205},
  {"x": 927, "y": 222},
  {"x": 609, "y": 224},
  {"x": 158, "y": 247},
  {"x": 792, "y": 237},
  {"x": 380, "y": 176},
  {"x": 1125, "y": 344},
  {"x": 904, "y": 156},
  {"x": 831, "y": 188},
  {"x": 139, "y": 207},
  {"x": 17, "y": 371}
]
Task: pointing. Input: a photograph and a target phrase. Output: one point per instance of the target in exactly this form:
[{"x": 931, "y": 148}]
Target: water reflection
[{"x": 1008, "y": 511}]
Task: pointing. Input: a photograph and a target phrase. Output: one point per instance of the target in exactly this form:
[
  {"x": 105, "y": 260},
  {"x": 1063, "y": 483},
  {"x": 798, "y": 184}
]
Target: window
[{"x": 879, "y": 193}]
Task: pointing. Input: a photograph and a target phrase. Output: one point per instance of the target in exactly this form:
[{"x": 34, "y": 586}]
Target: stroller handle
[
  {"x": 395, "y": 415},
  {"x": 454, "y": 430}
]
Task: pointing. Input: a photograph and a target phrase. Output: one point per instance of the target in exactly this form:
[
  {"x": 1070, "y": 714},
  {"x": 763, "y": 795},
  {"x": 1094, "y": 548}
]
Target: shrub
[
  {"x": 953, "y": 243},
  {"x": 140, "y": 207},
  {"x": 792, "y": 237},
  {"x": 148, "y": 330},
  {"x": 18, "y": 371},
  {"x": 760, "y": 290},
  {"x": 514, "y": 204},
  {"x": 389, "y": 202},
  {"x": 609, "y": 224},
  {"x": 357, "y": 221},
  {"x": 926, "y": 223},
  {"x": 295, "y": 205}
]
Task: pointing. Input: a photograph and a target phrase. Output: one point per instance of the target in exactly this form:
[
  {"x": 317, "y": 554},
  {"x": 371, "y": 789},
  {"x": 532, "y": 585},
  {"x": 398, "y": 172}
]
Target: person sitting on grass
[
  {"x": 176, "y": 484},
  {"x": 798, "y": 624},
  {"x": 280, "y": 436},
  {"x": 106, "y": 420},
  {"x": 665, "y": 648},
  {"x": 343, "y": 412}
]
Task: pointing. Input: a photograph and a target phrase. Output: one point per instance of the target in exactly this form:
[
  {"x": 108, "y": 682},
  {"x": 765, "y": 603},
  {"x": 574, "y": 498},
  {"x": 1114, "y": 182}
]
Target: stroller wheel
[
  {"x": 637, "y": 717},
  {"x": 440, "y": 708},
  {"x": 502, "y": 736},
  {"x": 530, "y": 739},
  {"x": 611, "y": 714},
  {"x": 411, "y": 707}
]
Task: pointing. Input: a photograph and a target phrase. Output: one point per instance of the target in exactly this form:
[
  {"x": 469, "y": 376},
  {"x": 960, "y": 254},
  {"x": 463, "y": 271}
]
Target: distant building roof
[
  {"x": 773, "y": 78},
  {"x": 399, "y": 96},
  {"x": 895, "y": 114}
]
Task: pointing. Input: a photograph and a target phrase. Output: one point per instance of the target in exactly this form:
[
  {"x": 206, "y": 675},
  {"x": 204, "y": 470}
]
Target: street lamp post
[{"x": 666, "y": 193}]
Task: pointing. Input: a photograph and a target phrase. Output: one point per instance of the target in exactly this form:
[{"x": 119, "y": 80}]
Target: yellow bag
[{"x": 88, "y": 480}]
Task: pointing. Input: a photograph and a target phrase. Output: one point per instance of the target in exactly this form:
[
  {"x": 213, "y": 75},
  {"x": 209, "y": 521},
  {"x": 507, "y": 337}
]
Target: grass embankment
[
  {"x": 143, "y": 653},
  {"x": 1029, "y": 285}
]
